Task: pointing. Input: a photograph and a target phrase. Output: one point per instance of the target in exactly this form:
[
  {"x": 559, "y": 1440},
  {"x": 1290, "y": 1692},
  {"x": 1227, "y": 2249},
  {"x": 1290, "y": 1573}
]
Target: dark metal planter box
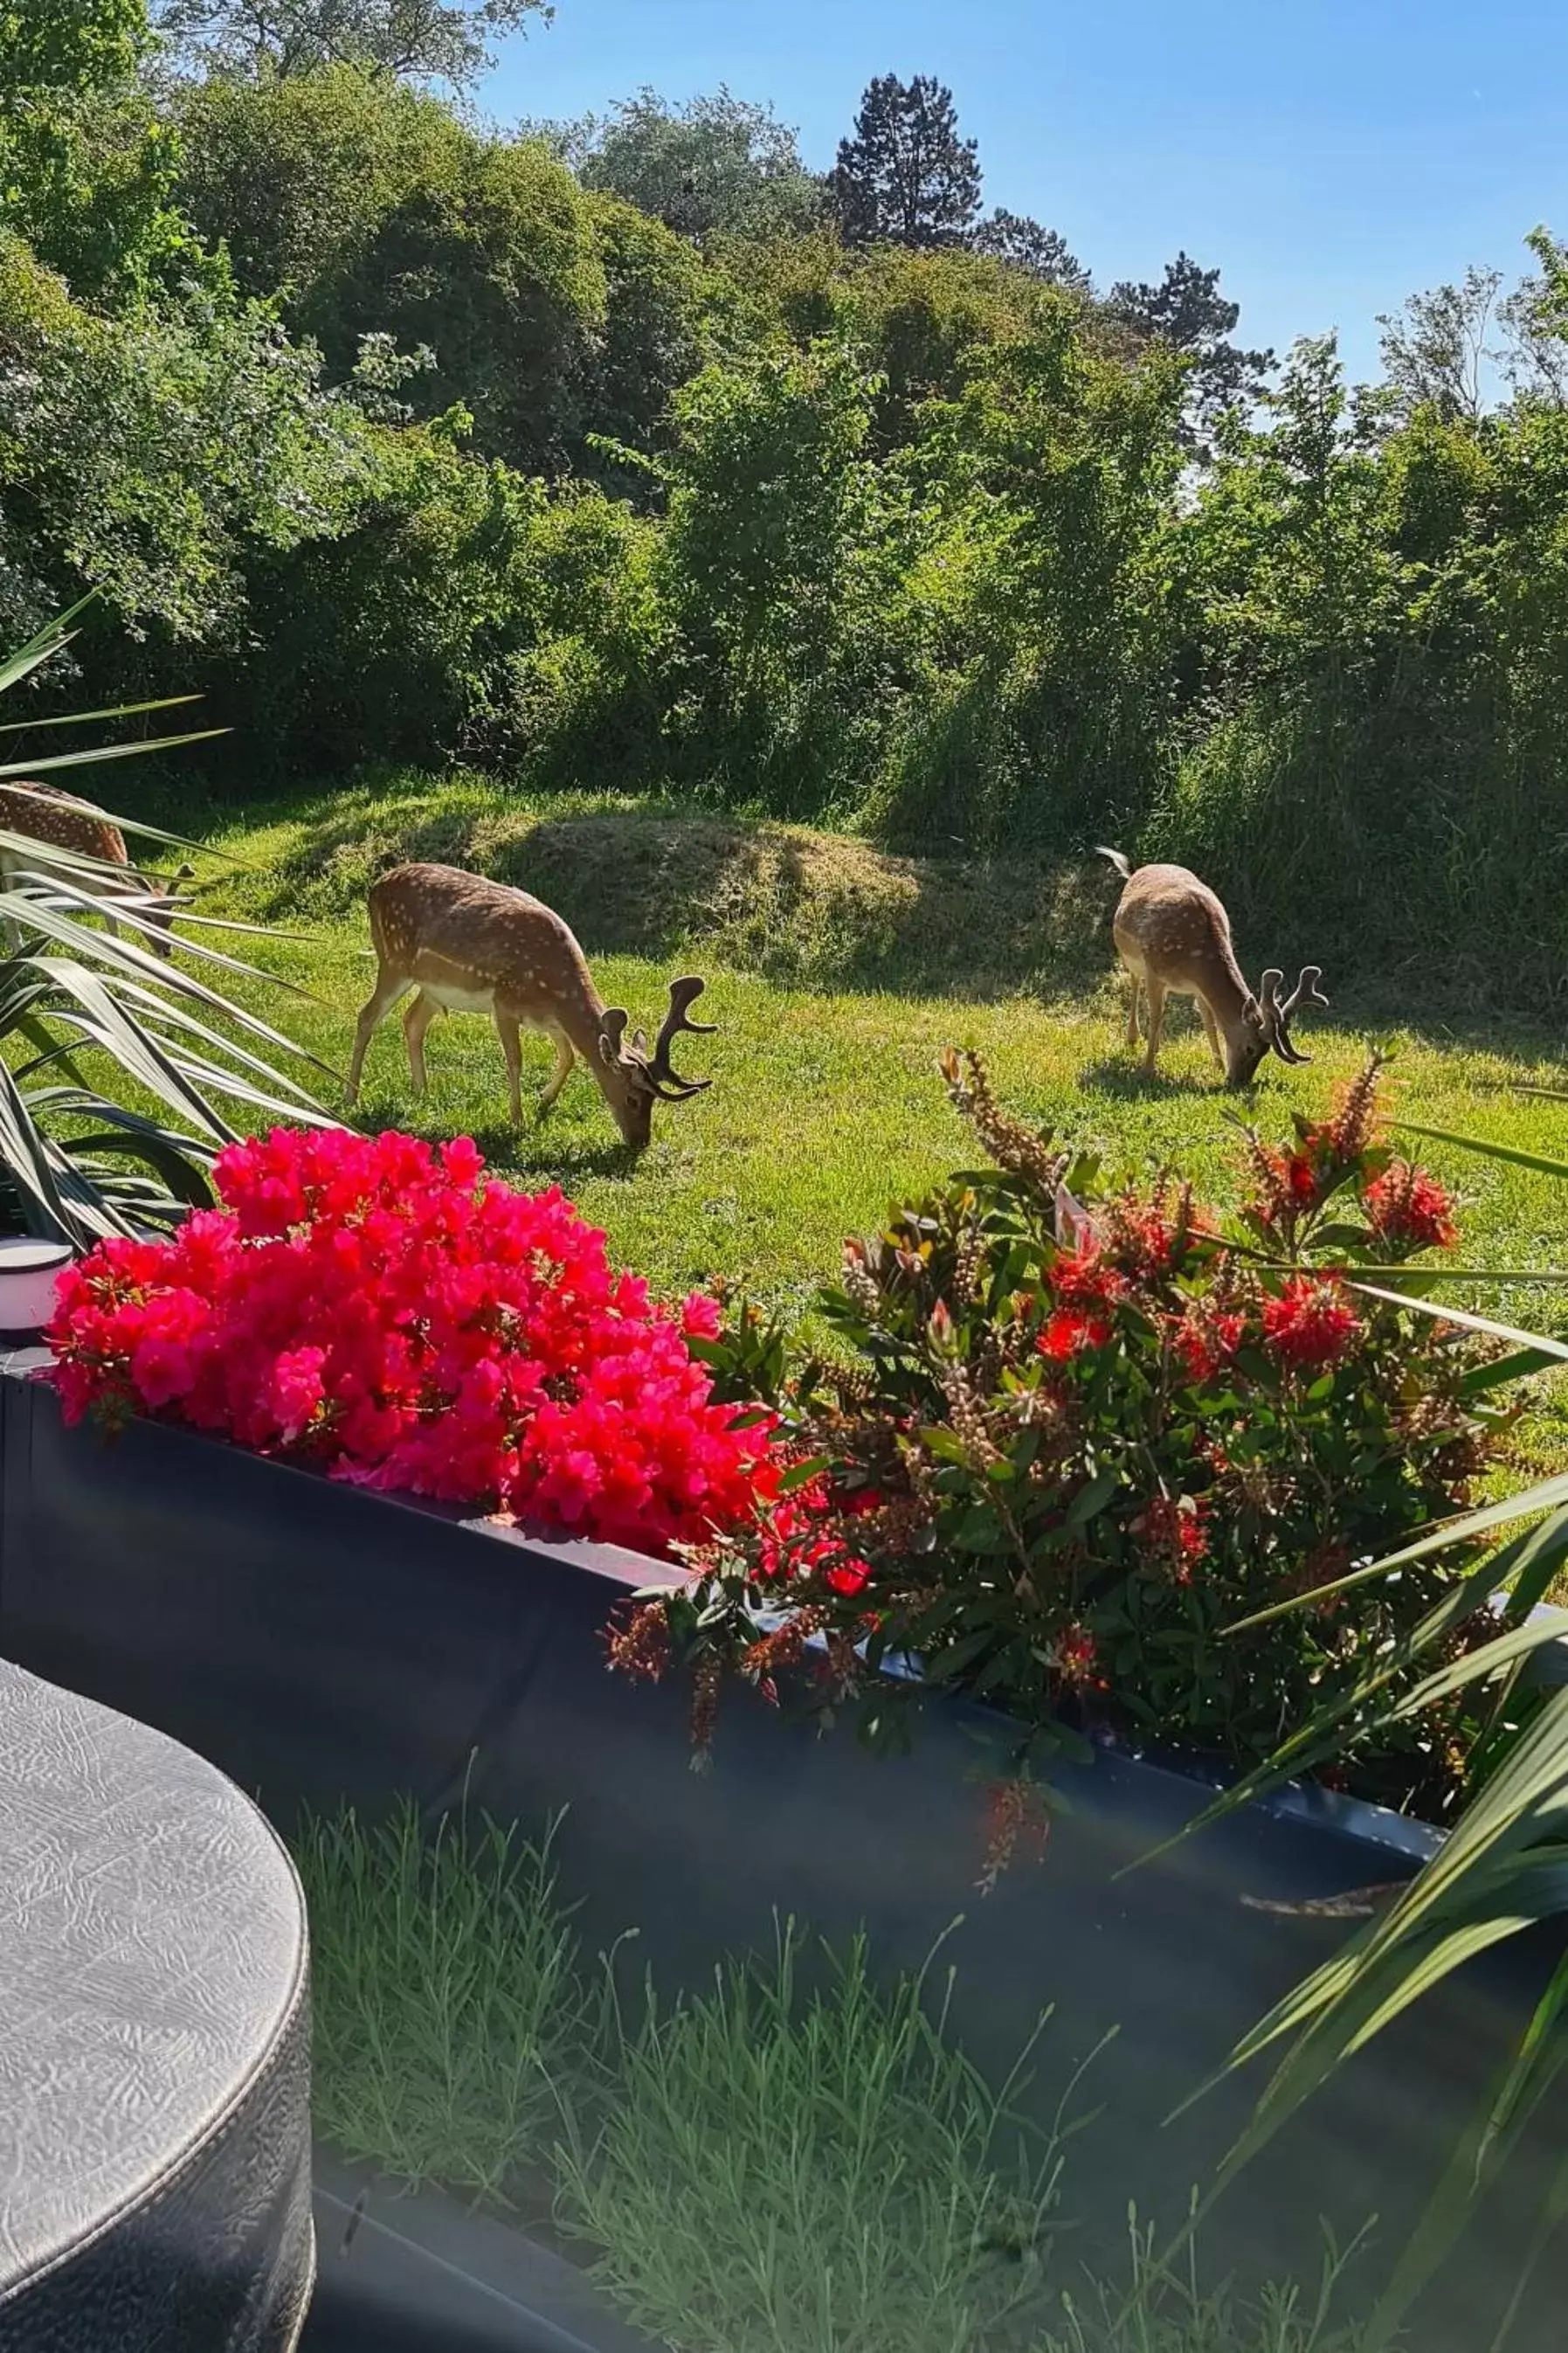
[
  {"x": 425, "y": 2275},
  {"x": 320, "y": 1643}
]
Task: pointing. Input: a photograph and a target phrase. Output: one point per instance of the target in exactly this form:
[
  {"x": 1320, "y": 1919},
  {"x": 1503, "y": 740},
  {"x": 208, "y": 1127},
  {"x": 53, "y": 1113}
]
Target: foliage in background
[
  {"x": 156, "y": 453},
  {"x": 907, "y": 176},
  {"x": 1064, "y": 567},
  {"x": 419, "y": 40},
  {"x": 1071, "y": 1432},
  {"x": 716, "y": 163}
]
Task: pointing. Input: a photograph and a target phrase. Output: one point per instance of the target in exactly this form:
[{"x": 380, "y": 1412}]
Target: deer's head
[
  {"x": 634, "y": 1079},
  {"x": 167, "y": 899},
  {"x": 1266, "y": 1025}
]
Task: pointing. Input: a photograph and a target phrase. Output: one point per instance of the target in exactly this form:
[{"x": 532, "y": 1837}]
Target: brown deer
[
  {"x": 49, "y": 816},
  {"x": 1173, "y": 935},
  {"x": 469, "y": 945}
]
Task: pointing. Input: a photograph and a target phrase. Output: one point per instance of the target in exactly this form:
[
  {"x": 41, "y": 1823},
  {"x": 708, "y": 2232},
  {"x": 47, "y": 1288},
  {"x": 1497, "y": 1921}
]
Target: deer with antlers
[
  {"x": 1172, "y": 935},
  {"x": 465, "y": 944},
  {"x": 59, "y": 820}
]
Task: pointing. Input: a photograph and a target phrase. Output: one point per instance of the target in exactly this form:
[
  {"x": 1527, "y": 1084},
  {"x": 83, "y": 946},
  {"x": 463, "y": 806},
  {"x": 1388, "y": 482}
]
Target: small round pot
[{"x": 30, "y": 1269}]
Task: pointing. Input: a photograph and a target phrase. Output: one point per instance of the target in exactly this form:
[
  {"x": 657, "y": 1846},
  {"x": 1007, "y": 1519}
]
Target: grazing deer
[
  {"x": 1173, "y": 935},
  {"x": 50, "y": 817},
  {"x": 469, "y": 945}
]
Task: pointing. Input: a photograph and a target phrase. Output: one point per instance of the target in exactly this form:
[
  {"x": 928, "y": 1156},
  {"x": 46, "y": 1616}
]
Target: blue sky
[{"x": 1331, "y": 157}]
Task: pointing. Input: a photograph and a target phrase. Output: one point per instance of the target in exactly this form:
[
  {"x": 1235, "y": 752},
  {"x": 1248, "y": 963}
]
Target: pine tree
[
  {"x": 1187, "y": 310},
  {"x": 1028, "y": 245},
  {"x": 906, "y": 177}
]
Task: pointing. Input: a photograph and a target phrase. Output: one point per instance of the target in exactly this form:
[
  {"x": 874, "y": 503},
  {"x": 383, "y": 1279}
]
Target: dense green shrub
[
  {"x": 372, "y": 209},
  {"x": 463, "y": 607},
  {"x": 149, "y": 452},
  {"x": 1077, "y": 1439}
]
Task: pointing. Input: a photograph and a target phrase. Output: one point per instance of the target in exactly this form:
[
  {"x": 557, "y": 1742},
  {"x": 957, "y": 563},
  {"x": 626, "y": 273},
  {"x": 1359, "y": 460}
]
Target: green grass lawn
[{"x": 827, "y": 1107}]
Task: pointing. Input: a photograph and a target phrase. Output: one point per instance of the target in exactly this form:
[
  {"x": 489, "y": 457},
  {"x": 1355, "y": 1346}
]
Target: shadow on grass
[
  {"x": 1129, "y": 1082},
  {"x": 531, "y": 1151},
  {"x": 539, "y": 1148}
]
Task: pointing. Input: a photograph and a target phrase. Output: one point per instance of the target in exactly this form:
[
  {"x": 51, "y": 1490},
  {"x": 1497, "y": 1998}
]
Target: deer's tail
[{"x": 1118, "y": 861}]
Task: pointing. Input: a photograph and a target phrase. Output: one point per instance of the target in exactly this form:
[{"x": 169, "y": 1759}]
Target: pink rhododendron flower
[{"x": 390, "y": 1310}]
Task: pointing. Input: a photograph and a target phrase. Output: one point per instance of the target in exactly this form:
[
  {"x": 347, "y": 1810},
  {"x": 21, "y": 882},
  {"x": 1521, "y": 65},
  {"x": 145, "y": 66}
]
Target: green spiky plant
[
  {"x": 84, "y": 1155},
  {"x": 1502, "y": 1871}
]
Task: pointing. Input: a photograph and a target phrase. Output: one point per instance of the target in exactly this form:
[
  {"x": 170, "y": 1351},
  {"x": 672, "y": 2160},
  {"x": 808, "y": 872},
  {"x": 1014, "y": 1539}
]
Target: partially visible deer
[
  {"x": 469, "y": 945},
  {"x": 1173, "y": 935},
  {"x": 49, "y": 816}
]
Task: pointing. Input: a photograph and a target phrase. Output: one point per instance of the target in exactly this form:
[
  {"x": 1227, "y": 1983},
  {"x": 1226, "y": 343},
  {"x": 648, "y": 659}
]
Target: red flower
[
  {"x": 1205, "y": 1342},
  {"x": 699, "y": 1316},
  {"x": 1410, "y": 1209},
  {"x": 1078, "y": 1658},
  {"x": 1081, "y": 1277},
  {"x": 419, "y": 1326},
  {"x": 1067, "y": 1330},
  {"x": 1311, "y": 1324},
  {"x": 1144, "y": 1238},
  {"x": 1172, "y": 1526},
  {"x": 1301, "y": 1178}
]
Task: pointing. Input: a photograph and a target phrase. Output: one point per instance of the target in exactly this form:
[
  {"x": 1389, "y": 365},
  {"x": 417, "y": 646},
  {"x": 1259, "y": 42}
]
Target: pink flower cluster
[{"x": 382, "y": 1308}]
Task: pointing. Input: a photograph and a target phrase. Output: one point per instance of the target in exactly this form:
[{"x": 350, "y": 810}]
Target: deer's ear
[{"x": 1252, "y": 1011}]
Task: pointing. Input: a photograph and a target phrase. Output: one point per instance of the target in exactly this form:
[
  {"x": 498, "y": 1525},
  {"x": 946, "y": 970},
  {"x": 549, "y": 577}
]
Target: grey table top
[{"x": 152, "y": 1948}]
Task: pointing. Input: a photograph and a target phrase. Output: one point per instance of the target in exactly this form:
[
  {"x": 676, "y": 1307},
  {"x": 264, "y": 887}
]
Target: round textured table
[{"x": 155, "y": 2072}]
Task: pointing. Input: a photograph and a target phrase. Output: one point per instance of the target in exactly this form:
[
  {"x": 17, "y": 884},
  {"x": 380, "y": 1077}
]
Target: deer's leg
[
  {"x": 1156, "y": 1019},
  {"x": 383, "y": 998},
  {"x": 510, "y": 1033},
  {"x": 1212, "y": 1027},
  {"x": 415, "y": 1022},
  {"x": 565, "y": 1059},
  {"x": 1133, "y": 1012}
]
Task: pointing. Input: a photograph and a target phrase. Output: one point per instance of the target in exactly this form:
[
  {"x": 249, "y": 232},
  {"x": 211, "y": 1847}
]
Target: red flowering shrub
[
  {"x": 1074, "y": 1433},
  {"x": 386, "y": 1309},
  {"x": 1312, "y": 1323}
]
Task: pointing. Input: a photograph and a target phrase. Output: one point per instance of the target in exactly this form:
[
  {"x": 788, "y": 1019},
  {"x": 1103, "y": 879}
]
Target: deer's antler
[
  {"x": 1277, "y": 1016},
  {"x": 1306, "y": 992},
  {"x": 667, "y": 1082}
]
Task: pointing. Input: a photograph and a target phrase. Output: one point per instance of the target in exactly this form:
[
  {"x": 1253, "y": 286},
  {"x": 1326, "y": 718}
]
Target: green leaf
[
  {"x": 108, "y": 752},
  {"x": 1535, "y": 1341},
  {"x": 1487, "y": 1150}
]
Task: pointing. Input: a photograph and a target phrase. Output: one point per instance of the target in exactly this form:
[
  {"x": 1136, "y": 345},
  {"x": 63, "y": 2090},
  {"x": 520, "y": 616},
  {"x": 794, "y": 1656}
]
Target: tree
[
  {"x": 1028, "y": 245},
  {"x": 1187, "y": 312},
  {"x": 1534, "y": 317},
  {"x": 906, "y": 177},
  {"x": 409, "y": 40},
  {"x": 1436, "y": 351},
  {"x": 86, "y": 166},
  {"x": 374, "y": 209},
  {"x": 715, "y": 164}
]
